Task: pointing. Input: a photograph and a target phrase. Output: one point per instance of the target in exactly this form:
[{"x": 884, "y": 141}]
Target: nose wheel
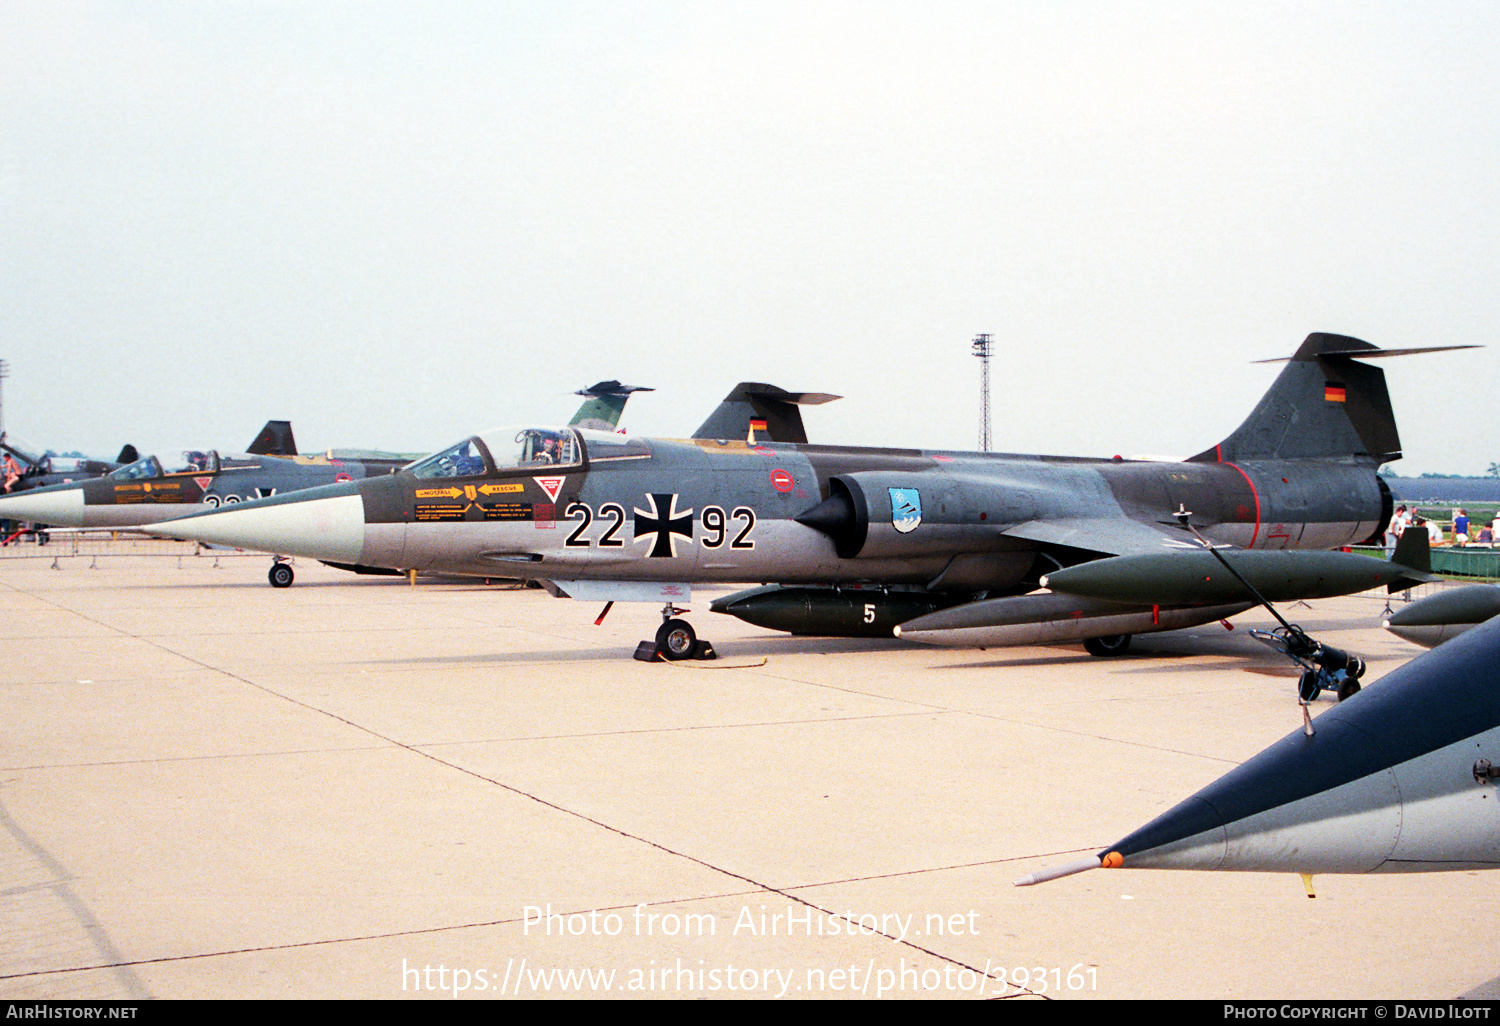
[
  {"x": 675, "y": 640},
  {"x": 280, "y": 575},
  {"x": 1112, "y": 645}
]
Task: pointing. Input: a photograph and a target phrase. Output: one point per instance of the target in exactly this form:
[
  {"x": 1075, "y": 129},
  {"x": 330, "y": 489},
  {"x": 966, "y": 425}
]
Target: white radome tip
[
  {"x": 63, "y": 508},
  {"x": 331, "y": 528}
]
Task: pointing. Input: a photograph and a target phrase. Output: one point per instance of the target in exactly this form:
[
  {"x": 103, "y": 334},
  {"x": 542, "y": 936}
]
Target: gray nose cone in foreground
[
  {"x": 1394, "y": 780},
  {"x": 321, "y": 523},
  {"x": 60, "y": 505},
  {"x": 1437, "y": 618}
]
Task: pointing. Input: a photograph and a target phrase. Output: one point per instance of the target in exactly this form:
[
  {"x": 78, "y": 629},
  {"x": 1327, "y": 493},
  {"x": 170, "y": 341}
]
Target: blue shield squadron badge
[{"x": 906, "y": 509}]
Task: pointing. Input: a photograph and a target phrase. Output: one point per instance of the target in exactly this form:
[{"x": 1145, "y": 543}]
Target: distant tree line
[{"x": 1493, "y": 471}]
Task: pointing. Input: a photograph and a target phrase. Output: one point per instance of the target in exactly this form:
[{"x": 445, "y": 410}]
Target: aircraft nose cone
[
  {"x": 328, "y": 527},
  {"x": 62, "y": 507},
  {"x": 1280, "y": 816}
]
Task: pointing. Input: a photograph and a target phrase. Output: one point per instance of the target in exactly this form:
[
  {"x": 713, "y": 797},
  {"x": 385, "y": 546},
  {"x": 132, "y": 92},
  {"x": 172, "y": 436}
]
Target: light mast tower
[{"x": 981, "y": 347}]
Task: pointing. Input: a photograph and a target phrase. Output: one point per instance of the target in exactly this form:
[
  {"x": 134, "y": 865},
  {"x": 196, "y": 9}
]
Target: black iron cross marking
[{"x": 664, "y": 521}]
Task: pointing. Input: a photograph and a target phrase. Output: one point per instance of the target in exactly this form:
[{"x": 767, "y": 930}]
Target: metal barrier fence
[
  {"x": 72, "y": 544},
  {"x": 1470, "y": 563}
]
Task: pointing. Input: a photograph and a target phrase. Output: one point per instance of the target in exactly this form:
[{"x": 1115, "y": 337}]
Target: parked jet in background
[
  {"x": 1401, "y": 778},
  {"x": 153, "y": 487},
  {"x": 164, "y": 487},
  {"x": 901, "y": 532},
  {"x": 37, "y": 469}
]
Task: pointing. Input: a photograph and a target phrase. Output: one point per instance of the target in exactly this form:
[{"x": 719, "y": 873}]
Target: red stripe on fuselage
[{"x": 1254, "y": 493}]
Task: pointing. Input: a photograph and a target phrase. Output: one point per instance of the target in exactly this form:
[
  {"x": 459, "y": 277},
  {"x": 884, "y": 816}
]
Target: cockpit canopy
[
  {"x": 508, "y": 448},
  {"x": 63, "y": 464},
  {"x": 186, "y": 461},
  {"x": 525, "y": 448}
]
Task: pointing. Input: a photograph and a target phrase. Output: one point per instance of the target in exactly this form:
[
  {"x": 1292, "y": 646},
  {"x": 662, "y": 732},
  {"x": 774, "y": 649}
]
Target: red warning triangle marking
[{"x": 550, "y": 485}]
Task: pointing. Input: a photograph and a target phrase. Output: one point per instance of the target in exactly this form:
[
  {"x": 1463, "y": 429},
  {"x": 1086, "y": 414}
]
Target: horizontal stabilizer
[
  {"x": 611, "y": 387},
  {"x": 1369, "y": 352}
]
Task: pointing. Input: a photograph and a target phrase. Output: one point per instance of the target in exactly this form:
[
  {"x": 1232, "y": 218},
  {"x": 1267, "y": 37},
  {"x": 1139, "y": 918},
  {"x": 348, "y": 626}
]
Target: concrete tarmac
[{"x": 356, "y": 788}]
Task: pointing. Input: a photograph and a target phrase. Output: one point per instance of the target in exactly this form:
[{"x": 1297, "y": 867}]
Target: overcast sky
[{"x": 395, "y": 224}]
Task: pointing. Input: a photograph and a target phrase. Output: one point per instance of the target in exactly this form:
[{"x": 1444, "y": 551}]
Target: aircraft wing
[
  {"x": 1113, "y": 536},
  {"x": 1151, "y": 578}
]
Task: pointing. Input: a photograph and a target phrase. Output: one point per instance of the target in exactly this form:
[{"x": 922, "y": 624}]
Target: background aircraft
[
  {"x": 614, "y": 517},
  {"x": 157, "y": 487},
  {"x": 41, "y": 469},
  {"x": 164, "y": 487},
  {"x": 1401, "y": 778}
]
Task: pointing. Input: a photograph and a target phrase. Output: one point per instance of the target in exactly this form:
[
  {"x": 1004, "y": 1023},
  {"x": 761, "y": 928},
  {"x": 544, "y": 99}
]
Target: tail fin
[
  {"x": 602, "y": 405},
  {"x": 755, "y": 400},
  {"x": 1324, "y": 404},
  {"x": 1413, "y": 550},
  {"x": 275, "y": 439}
]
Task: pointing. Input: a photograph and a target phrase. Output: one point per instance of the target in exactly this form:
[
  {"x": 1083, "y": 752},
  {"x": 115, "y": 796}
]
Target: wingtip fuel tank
[
  {"x": 1435, "y": 619},
  {"x": 1184, "y": 578}
]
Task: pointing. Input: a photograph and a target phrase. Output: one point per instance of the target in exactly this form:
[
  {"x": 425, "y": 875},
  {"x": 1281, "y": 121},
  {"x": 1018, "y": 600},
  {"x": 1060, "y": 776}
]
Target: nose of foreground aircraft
[
  {"x": 1390, "y": 781},
  {"x": 321, "y": 523},
  {"x": 60, "y": 505}
]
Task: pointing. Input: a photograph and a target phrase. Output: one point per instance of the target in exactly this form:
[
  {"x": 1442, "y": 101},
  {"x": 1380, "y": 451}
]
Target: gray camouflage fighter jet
[
  {"x": 38, "y": 469},
  {"x": 750, "y": 407},
  {"x": 859, "y": 541},
  {"x": 163, "y": 487}
]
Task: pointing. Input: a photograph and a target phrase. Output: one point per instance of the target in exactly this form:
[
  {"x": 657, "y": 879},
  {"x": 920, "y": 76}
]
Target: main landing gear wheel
[
  {"x": 675, "y": 640},
  {"x": 1348, "y": 688},
  {"x": 1112, "y": 645},
  {"x": 280, "y": 575}
]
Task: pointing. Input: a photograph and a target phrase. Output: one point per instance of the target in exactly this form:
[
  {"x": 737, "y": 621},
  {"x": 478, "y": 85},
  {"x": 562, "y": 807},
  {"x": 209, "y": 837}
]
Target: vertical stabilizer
[
  {"x": 602, "y": 405},
  {"x": 275, "y": 439},
  {"x": 756, "y": 401},
  {"x": 1324, "y": 404}
]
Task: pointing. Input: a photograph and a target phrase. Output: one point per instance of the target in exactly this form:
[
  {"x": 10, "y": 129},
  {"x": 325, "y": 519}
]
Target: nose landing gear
[{"x": 675, "y": 640}]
